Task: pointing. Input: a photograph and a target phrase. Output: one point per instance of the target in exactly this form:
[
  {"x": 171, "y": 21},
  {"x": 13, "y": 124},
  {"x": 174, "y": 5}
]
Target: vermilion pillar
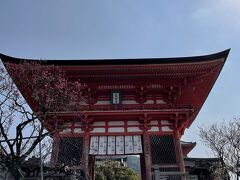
[
  {"x": 142, "y": 162},
  {"x": 91, "y": 163},
  {"x": 55, "y": 150},
  {"x": 147, "y": 156},
  {"x": 179, "y": 154},
  {"x": 85, "y": 155}
]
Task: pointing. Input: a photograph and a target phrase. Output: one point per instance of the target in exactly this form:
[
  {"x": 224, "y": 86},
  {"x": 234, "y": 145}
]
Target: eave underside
[{"x": 185, "y": 81}]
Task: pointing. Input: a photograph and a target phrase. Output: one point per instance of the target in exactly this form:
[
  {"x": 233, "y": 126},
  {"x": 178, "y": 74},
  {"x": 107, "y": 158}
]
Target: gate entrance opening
[
  {"x": 118, "y": 165},
  {"x": 115, "y": 148}
]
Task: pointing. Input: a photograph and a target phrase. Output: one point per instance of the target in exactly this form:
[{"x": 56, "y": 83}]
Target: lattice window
[
  {"x": 162, "y": 149},
  {"x": 70, "y": 150}
]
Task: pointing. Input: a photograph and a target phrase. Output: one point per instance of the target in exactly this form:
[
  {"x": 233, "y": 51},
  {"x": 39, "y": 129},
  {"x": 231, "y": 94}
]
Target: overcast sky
[{"x": 83, "y": 29}]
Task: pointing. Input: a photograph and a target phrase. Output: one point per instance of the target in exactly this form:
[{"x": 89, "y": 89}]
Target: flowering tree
[{"x": 21, "y": 128}]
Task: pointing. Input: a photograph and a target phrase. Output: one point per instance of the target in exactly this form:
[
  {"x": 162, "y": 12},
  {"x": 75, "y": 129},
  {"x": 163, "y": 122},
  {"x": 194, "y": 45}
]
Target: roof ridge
[{"x": 124, "y": 61}]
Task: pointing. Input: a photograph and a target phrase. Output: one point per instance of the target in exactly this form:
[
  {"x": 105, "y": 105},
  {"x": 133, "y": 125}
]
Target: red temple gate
[{"x": 134, "y": 106}]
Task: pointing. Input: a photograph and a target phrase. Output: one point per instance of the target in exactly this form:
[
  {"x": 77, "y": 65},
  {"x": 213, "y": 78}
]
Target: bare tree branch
[{"x": 224, "y": 141}]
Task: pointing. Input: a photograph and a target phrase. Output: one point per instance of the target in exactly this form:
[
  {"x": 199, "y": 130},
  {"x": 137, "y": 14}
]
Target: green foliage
[
  {"x": 113, "y": 170},
  {"x": 134, "y": 163}
]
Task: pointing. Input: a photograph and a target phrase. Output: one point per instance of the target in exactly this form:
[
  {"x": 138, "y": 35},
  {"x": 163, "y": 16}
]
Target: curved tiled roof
[{"x": 135, "y": 61}]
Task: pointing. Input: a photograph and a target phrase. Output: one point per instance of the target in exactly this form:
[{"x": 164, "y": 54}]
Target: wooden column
[
  {"x": 146, "y": 147},
  {"x": 179, "y": 154},
  {"x": 55, "y": 150},
  {"x": 85, "y": 155},
  {"x": 147, "y": 155},
  {"x": 86, "y": 143},
  {"x": 142, "y": 166},
  {"x": 91, "y": 162}
]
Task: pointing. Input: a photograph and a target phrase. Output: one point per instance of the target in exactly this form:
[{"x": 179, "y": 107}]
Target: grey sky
[{"x": 79, "y": 29}]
